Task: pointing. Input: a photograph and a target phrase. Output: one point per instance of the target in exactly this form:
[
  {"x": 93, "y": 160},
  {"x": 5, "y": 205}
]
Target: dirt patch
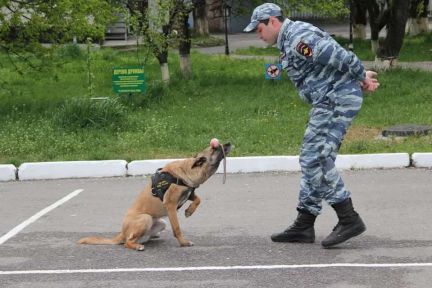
[{"x": 362, "y": 133}]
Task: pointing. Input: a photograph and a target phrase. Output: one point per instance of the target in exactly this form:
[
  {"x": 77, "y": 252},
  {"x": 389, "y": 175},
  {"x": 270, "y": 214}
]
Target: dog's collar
[{"x": 161, "y": 181}]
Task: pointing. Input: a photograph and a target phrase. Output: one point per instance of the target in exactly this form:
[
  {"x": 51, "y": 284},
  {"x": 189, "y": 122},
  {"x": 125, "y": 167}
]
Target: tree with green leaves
[
  {"x": 26, "y": 25},
  {"x": 331, "y": 8},
  {"x": 163, "y": 24}
]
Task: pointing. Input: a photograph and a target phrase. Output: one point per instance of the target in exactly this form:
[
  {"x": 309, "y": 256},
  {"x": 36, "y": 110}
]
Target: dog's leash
[{"x": 224, "y": 164}]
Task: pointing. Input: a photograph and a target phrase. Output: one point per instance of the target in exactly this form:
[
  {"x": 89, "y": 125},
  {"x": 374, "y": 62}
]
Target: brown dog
[{"x": 169, "y": 189}]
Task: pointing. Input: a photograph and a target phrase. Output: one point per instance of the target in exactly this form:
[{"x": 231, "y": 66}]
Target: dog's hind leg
[
  {"x": 158, "y": 226},
  {"x": 135, "y": 228}
]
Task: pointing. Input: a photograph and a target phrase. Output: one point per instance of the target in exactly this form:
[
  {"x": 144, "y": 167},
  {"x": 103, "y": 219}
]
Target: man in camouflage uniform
[{"x": 331, "y": 79}]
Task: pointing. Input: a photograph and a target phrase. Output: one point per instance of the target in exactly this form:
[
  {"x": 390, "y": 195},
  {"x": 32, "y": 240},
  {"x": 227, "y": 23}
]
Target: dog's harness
[{"x": 161, "y": 181}]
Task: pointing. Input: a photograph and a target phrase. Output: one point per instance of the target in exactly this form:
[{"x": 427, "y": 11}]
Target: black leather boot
[
  {"x": 350, "y": 224},
  {"x": 301, "y": 231}
]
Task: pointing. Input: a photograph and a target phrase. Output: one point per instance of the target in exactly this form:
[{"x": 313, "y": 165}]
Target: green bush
[
  {"x": 80, "y": 113},
  {"x": 70, "y": 52}
]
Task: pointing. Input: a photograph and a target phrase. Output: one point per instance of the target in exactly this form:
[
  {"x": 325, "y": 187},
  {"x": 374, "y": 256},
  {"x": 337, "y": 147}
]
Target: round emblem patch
[
  {"x": 304, "y": 49},
  {"x": 273, "y": 71}
]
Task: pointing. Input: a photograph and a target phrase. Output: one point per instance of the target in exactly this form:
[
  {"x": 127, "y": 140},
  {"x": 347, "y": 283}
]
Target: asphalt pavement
[{"x": 230, "y": 230}]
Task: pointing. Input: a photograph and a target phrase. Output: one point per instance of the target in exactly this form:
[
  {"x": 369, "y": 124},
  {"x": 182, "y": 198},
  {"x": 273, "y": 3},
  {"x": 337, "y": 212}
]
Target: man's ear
[
  {"x": 274, "y": 22},
  {"x": 199, "y": 162},
  {"x": 272, "y": 19}
]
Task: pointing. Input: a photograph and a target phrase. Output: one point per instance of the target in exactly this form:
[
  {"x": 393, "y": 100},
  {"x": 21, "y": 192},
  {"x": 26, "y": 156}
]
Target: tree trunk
[
  {"x": 185, "y": 66},
  {"x": 375, "y": 10},
  {"x": 160, "y": 50},
  {"x": 418, "y": 21},
  {"x": 395, "y": 30},
  {"x": 161, "y": 54},
  {"x": 201, "y": 26},
  {"x": 184, "y": 47},
  {"x": 376, "y": 14},
  {"x": 359, "y": 10},
  {"x": 165, "y": 72}
]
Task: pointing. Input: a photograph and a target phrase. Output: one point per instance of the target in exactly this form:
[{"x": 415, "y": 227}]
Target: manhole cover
[{"x": 406, "y": 130}]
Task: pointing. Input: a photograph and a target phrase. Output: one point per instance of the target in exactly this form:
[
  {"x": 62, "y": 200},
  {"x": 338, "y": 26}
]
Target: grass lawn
[{"x": 227, "y": 98}]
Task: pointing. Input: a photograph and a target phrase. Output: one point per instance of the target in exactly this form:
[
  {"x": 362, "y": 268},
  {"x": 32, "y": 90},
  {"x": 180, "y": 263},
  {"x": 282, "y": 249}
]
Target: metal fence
[{"x": 308, "y": 15}]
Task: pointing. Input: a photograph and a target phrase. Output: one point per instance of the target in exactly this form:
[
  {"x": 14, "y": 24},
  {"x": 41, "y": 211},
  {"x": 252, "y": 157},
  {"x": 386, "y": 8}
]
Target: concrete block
[
  {"x": 365, "y": 161},
  {"x": 422, "y": 160},
  {"x": 146, "y": 167},
  {"x": 261, "y": 164},
  {"x": 7, "y": 172},
  {"x": 72, "y": 169}
]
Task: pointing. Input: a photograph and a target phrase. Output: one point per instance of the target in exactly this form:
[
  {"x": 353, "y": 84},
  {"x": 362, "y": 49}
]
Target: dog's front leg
[
  {"x": 170, "y": 202},
  {"x": 172, "y": 216},
  {"x": 193, "y": 206}
]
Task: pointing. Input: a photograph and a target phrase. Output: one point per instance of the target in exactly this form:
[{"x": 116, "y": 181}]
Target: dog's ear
[{"x": 199, "y": 161}]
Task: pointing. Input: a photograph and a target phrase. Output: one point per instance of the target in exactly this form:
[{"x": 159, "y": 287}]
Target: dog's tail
[{"x": 118, "y": 239}]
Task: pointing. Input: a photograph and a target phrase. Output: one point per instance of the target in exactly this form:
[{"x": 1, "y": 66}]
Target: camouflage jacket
[{"x": 315, "y": 62}]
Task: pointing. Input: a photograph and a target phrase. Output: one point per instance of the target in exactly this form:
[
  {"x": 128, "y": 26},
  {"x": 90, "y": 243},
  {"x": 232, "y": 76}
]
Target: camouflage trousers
[{"x": 327, "y": 126}]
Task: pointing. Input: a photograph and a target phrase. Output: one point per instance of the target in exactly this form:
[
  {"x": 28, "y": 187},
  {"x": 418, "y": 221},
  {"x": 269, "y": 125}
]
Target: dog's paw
[
  {"x": 188, "y": 212},
  {"x": 187, "y": 244},
  {"x": 140, "y": 248}
]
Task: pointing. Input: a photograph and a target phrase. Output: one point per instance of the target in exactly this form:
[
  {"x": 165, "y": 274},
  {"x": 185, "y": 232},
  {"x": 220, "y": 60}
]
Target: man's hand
[{"x": 370, "y": 83}]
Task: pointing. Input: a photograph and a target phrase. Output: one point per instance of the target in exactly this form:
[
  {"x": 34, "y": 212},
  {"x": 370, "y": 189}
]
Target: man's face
[{"x": 268, "y": 33}]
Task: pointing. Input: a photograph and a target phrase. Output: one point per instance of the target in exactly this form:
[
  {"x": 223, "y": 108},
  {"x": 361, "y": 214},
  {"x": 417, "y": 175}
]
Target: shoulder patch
[{"x": 304, "y": 49}]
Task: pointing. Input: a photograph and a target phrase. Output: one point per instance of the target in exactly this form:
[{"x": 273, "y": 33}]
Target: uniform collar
[{"x": 281, "y": 37}]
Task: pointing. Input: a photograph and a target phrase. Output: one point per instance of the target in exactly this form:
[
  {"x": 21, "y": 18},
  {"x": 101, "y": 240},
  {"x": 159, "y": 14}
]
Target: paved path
[
  {"x": 230, "y": 230},
  {"x": 423, "y": 65},
  {"x": 246, "y": 40}
]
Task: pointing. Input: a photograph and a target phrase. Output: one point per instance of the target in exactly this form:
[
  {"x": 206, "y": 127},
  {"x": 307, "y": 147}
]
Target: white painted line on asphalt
[
  {"x": 219, "y": 268},
  {"x": 38, "y": 215}
]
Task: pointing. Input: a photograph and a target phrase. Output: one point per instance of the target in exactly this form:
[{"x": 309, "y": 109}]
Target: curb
[
  {"x": 144, "y": 167},
  {"x": 370, "y": 161},
  {"x": 8, "y": 172},
  {"x": 423, "y": 160},
  {"x": 72, "y": 169},
  {"x": 121, "y": 168},
  {"x": 261, "y": 164}
]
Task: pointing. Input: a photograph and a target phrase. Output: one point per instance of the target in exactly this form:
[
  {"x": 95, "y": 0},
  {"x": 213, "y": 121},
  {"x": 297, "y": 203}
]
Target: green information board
[{"x": 128, "y": 79}]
